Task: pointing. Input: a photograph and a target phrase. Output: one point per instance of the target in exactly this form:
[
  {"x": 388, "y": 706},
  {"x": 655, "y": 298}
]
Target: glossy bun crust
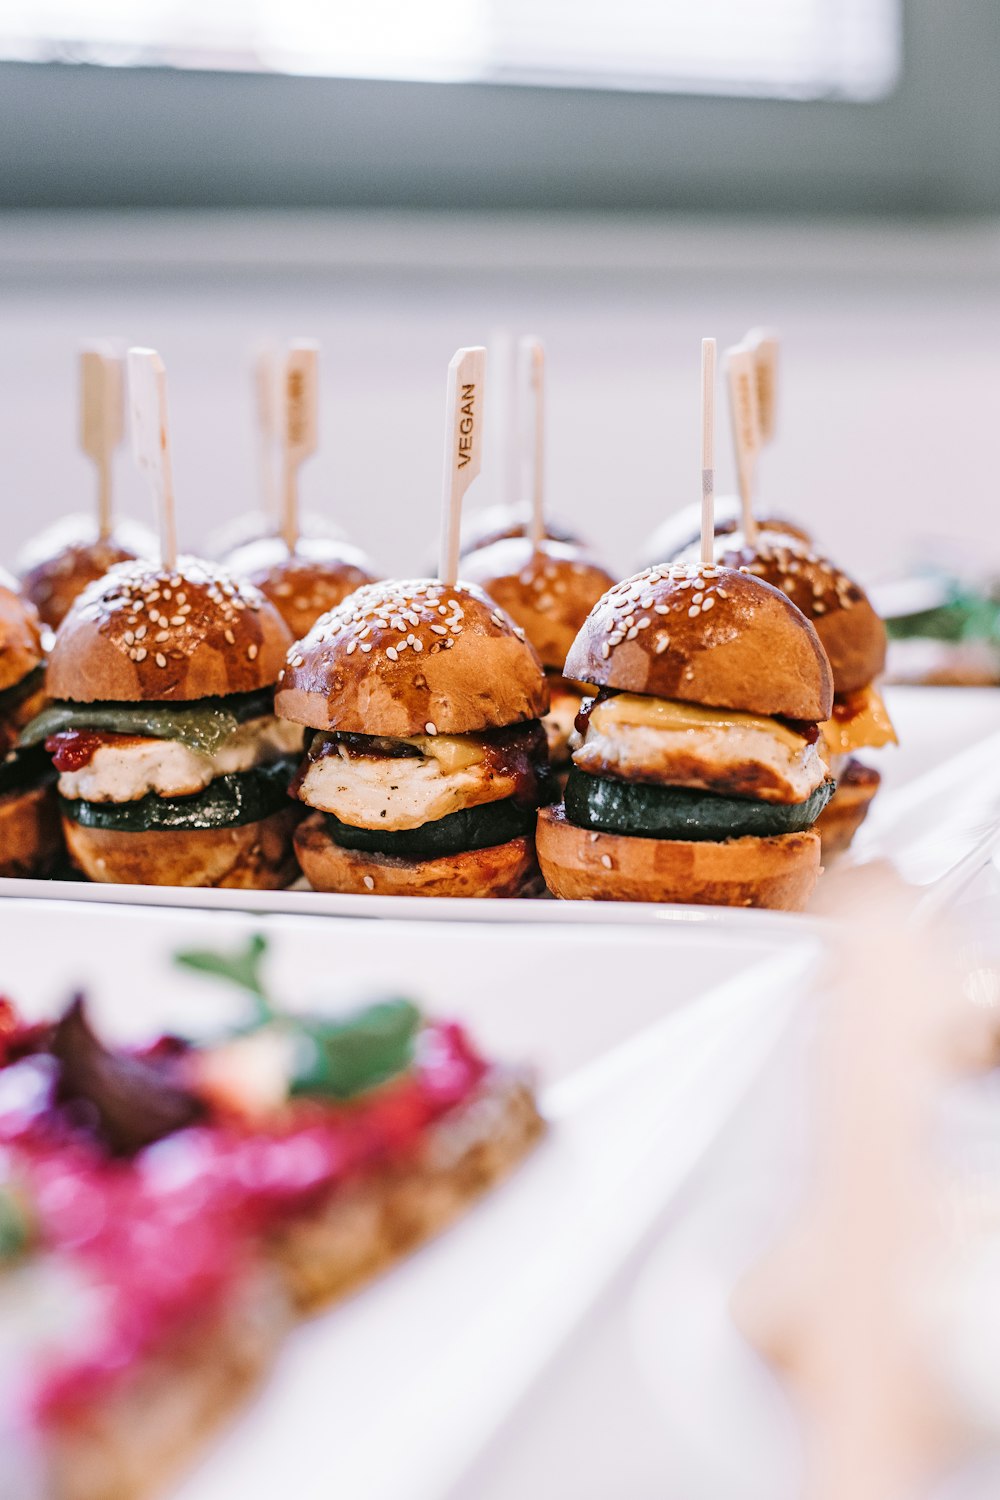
[
  {"x": 30, "y": 837},
  {"x": 681, "y": 531},
  {"x": 142, "y": 634},
  {"x": 580, "y": 865},
  {"x": 306, "y": 583},
  {"x": 20, "y": 640},
  {"x": 249, "y": 857},
  {"x": 705, "y": 635},
  {"x": 497, "y": 523},
  {"x": 59, "y": 564},
  {"x": 549, "y": 591},
  {"x": 509, "y": 869},
  {"x": 853, "y": 636},
  {"x": 398, "y": 656}
]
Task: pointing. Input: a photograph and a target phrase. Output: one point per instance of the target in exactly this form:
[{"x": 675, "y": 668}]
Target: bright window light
[{"x": 799, "y": 49}]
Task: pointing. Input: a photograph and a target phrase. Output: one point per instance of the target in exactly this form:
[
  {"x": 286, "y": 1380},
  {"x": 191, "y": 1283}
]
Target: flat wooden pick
[
  {"x": 531, "y": 405},
  {"x": 463, "y": 453},
  {"x": 300, "y": 427},
  {"x": 741, "y": 373},
  {"x": 265, "y": 400},
  {"x": 102, "y": 420},
  {"x": 147, "y": 383},
  {"x": 766, "y": 347}
]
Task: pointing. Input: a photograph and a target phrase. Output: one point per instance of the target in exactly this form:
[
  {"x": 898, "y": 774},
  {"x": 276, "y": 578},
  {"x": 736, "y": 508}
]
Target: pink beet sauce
[{"x": 168, "y": 1233}]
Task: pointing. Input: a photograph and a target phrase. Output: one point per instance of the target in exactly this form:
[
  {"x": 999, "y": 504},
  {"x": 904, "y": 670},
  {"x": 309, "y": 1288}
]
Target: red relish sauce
[
  {"x": 72, "y": 749},
  {"x": 170, "y": 1232}
]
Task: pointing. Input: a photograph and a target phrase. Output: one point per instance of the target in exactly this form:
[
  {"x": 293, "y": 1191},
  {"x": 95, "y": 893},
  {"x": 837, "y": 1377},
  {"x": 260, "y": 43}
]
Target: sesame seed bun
[
  {"x": 30, "y": 837},
  {"x": 58, "y": 565},
  {"x": 509, "y": 869},
  {"x": 711, "y": 636},
  {"x": 682, "y": 531},
  {"x": 499, "y": 522},
  {"x": 580, "y": 865},
  {"x": 847, "y": 809},
  {"x": 306, "y": 583},
  {"x": 248, "y": 857},
  {"x": 398, "y": 656},
  {"x": 549, "y": 590},
  {"x": 143, "y": 634},
  {"x": 20, "y": 640},
  {"x": 853, "y": 636}
]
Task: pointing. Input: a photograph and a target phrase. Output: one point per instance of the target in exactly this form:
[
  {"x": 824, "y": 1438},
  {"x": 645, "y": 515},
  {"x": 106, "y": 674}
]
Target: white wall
[{"x": 890, "y": 387}]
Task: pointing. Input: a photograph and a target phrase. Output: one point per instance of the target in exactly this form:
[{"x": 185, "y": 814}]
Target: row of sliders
[{"x": 700, "y": 719}]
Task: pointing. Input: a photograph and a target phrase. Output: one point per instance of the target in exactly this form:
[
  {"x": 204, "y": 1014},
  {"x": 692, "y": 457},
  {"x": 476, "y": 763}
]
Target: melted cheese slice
[
  {"x": 451, "y": 752},
  {"x": 639, "y": 712},
  {"x": 869, "y": 728}
]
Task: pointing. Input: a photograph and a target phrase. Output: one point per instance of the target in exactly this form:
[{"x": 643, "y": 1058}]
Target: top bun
[
  {"x": 306, "y": 583},
  {"x": 397, "y": 657},
  {"x": 682, "y": 530},
  {"x": 497, "y": 523},
  {"x": 148, "y": 634},
  {"x": 705, "y": 635},
  {"x": 853, "y": 636},
  {"x": 61, "y": 561},
  {"x": 20, "y": 640},
  {"x": 549, "y": 590}
]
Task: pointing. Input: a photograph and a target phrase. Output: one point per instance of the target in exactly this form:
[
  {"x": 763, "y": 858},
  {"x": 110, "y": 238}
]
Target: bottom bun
[
  {"x": 847, "y": 809},
  {"x": 30, "y": 838},
  {"x": 503, "y": 870},
  {"x": 581, "y": 865},
  {"x": 248, "y": 857}
]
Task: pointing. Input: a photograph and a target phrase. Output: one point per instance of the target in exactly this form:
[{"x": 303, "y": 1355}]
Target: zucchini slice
[
  {"x": 470, "y": 828},
  {"x": 676, "y": 812},
  {"x": 227, "y": 802}
]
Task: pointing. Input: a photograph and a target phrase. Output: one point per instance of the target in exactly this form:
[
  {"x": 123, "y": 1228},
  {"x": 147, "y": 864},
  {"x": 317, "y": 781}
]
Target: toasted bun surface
[
  {"x": 853, "y": 636},
  {"x": 30, "y": 837},
  {"x": 248, "y": 857},
  {"x": 705, "y": 635},
  {"x": 59, "y": 564},
  {"x": 306, "y": 583},
  {"x": 847, "y": 809},
  {"x": 498, "y": 522},
  {"x": 504, "y": 870},
  {"x": 20, "y": 641},
  {"x": 682, "y": 530},
  {"x": 549, "y": 591},
  {"x": 398, "y": 656},
  {"x": 142, "y": 634},
  {"x": 578, "y": 865}
]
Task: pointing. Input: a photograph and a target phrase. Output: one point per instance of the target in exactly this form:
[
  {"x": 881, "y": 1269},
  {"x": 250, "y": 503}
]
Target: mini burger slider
[
  {"x": 698, "y": 779},
  {"x": 29, "y": 819},
  {"x": 172, "y": 767},
  {"x": 549, "y": 590},
  {"x": 305, "y": 583},
  {"x": 854, "y": 639},
  {"x": 429, "y": 759}
]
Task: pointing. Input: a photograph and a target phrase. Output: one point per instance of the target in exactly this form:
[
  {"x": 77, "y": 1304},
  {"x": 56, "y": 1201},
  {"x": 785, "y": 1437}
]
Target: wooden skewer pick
[
  {"x": 300, "y": 428},
  {"x": 147, "y": 385},
  {"x": 463, "y": 451},
  {"x": 503, "y": 425},
  {"x": 707, "y": 452},
  {"x": 531, "y": 390},
  {"x": 102, "y": 420},
  {"x": 742, "y": 375},
  {"x": 265, "y": 380},
  {"x": 766, "y": 345}
]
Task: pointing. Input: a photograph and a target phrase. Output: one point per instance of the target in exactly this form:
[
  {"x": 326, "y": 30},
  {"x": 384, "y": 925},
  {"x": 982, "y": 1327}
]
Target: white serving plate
[
  {"x": 392, "y": 1395},
  {"x": 939, "y": 801}
]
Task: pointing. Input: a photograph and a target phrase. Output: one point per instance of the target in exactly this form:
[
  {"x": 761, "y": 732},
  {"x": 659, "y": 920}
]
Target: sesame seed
[
  {"x": 369, "y": 883},
  {"x": 252, "y": 651},
  {"x": 161, "y": 660},
  {"x": 606, "y": 861},
  {"x": 392, "y": 653},
  {"x": 594, "y": 837},
  {"x": 366, "y": 645},
  {"x": 694, "y": 610},
  {"x": 129, "y": 638},
  {"x": 605, "y": 650},
  {"x": 351, "y": 646},
  {"x": 141, "y": 653},
  {"x": 230, "y": 638},
  {"x": 709, "y": 603},
  {"x": 430, "y": 728},
  {"x": 177, "y": 619}
]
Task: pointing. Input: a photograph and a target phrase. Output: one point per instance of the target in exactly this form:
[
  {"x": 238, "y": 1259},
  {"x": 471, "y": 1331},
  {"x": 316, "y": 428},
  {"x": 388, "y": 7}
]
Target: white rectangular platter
[
  {"x": 392, "y": 1395},
  {"x": 936, "y": 814}
]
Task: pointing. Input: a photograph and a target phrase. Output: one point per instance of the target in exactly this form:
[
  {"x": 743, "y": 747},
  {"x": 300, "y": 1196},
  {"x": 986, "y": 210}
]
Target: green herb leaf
[
  {"x": 242, "y": 969},
  {"x": 349, "y": 1056},
  {"x": 202, "y": 725}
]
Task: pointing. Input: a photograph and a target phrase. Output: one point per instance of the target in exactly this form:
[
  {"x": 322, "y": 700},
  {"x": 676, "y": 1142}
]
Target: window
[{"x": 794, "y": 49}]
